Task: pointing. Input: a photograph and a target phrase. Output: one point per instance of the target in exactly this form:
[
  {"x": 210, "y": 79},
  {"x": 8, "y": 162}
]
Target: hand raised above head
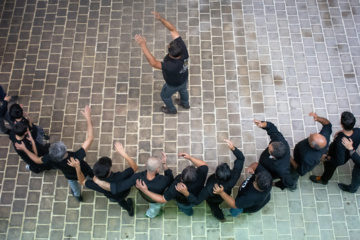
[
  {"x": 140, "y": 39},
  {"x": 156, "y": 15},
  {"x": 230, "y": 144},
  {"x": 314, "y": 115},
  {"x": 185, "y": 155},
  {"x": 258, "y": 123},
  {"x": 86, "y": 112}
]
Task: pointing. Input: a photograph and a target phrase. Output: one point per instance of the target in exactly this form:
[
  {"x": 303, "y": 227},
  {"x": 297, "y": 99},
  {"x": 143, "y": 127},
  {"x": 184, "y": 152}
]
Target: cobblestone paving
[{"x": 269, "y": 59}]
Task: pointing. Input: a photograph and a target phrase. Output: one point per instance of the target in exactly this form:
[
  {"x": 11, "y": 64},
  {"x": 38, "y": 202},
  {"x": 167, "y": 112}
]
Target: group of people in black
[{"x": 275, "y": 167}]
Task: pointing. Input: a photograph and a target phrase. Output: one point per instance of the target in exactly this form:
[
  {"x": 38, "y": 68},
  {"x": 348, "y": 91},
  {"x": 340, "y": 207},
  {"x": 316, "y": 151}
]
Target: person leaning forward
[
  {"x": 194, "y": 179},
  {"x": 58, "y": 157},
  {"x": 174, "y": 68},
  {"x": 222, "y": 176},
  {"x": 276, "y": 157},
  {"x": 308, "y": 152},
  {"x": 102, "y": 170},
  {"x": 156, "y": 183}
]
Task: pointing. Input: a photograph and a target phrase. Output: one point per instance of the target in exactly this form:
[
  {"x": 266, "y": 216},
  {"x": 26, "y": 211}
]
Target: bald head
[
  {"x": 317, "y": 141},
  {"x": 153, "y": 164}
]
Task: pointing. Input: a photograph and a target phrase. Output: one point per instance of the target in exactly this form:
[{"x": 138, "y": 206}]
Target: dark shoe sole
[
  {"x": 178, "y": 102},
  {"x": 165, "y": 110},
  {"x": 314, "y": 180}
]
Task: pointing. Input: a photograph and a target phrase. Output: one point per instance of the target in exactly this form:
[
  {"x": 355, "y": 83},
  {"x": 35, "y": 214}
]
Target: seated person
[
  {"x": 193, "y": 178},
  {"x": 102, "y": 170},
  {"x": 254, "y": 192},
  {"x": 157, "y": 183},
  {"x": 308, "y": 152},
  {"x": 24, "y": 144},
  {"x": 222, "y": 176},
  {"x": 58, "y": 157}
]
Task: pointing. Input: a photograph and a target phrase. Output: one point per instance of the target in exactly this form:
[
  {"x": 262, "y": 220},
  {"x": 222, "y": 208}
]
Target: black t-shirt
[
  {"x": 193, "y": 187},
  {"x": 40, "y": 148},
  {"x": 112, "y": 178},
  {"x": 175, "y": 71},
  {"x": 157, "y": 185},
  {"x": 337, "y": 151},
  {"x": 277, "y": 167},
  {"x": 68, "y": 171},
  {"x": 207, "y": 191},
  {"x": 249, "y": 198},
  {"x": 308, "y": 157}
]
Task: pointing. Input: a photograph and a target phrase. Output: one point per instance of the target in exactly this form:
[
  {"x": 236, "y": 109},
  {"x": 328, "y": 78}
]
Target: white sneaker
[{"x": 27, "y": 167}]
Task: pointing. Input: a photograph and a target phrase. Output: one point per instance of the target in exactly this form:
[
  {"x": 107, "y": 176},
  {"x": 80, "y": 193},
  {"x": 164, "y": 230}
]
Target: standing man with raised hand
[
  {"x": 338, "y": 154},
  {"x": 191, "y": 177},
  {"x": 58, "y": 157},
  {"x": 308, "y": 152},
  {"x": 276, "y": 157},
  {"x": 102, "y": 170},
  {"x": 174, "y": 68}
]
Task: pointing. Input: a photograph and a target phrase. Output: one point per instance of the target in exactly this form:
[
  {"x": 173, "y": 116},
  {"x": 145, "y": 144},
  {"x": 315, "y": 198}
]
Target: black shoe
[
  {"x": 178, "y": 102},
  {"x": 14, "y": 99},
  {"x": 345, "y": 188},
  {"x": 166, "y": 110},
  {"x": 46, "y": 137},
  {"x": 223, "y": 219},
  {"x": 130, "y": 203},
  {"x": 317, "y": 179},
  {"x": 80, "y": 199}
]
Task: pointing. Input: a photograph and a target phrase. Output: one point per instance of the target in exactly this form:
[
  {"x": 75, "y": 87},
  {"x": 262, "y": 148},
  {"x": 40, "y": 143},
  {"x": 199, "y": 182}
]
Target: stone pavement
[{"x": 269, "y": 59}]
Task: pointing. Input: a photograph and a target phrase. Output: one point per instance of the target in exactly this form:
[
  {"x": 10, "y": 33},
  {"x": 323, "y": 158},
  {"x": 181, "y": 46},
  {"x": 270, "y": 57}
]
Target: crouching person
[
  {"x": 254, "y": 192},
  {"x": 102, "y": 170}
]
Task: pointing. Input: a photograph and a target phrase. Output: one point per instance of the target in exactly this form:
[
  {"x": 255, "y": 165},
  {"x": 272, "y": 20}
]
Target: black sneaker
[
  {"x": 317, "y": 179},
  {"x": 80, "y": 198},
  {"x": 178, "y": 102},
  {"x": 129, "y": 201},
  {"x": 345, "y": 188},
  {"x": 46, "y": 137},
  {"x": 166, "y": 110}
]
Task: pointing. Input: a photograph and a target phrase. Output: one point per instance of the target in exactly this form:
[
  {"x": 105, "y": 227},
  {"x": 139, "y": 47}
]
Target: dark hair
[
  {"x": 15, "y": 112},
  {"x": 223, "y": 172},
  {"x": 348, "y": 120},
  {"x": 263, "y": 180},
  {"x": 189, "y": 174},
  {"x": 175, "y": 49},
  {"x": 102, "y": 167},
  {"x": 279, "y": 150},
  {"x": 20, "y": 129}
]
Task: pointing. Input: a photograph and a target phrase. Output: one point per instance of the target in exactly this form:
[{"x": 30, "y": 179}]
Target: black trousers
[
  {"x": 329, "y": 169},
  {"x": 215, "y": 208}
]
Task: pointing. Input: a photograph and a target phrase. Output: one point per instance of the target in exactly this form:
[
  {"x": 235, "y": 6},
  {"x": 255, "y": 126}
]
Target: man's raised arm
[
  {"x": 174, "y": 33},
  {"x": 120, "y": 149},
  {"x": 321, "y": 120},
  {"x": 149, "y": 57},
  {"x": 195, "y": 161},
  {"x": 90, "y": 130}
]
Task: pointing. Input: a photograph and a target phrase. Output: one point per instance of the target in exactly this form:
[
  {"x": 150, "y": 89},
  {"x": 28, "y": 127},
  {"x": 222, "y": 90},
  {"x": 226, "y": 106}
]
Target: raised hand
[
  {"x": 119, "y": 148},
  {"x": 259, "y": 123},
  {"x": 87, "y": 112},
  {"x": 140, "y": 40},
  {"x": 163, "y": 158},
  {"x": 230, "y": 144},
  {"x": 156, "y": 15},
  {"x": 185, "y": 155},
  {"x": 314, "y": 115}
]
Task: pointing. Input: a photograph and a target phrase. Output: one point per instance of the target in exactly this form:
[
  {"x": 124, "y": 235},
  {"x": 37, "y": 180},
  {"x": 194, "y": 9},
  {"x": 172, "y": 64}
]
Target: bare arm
[
  {"x": 251, "y": 169},
  {"x": 174, "y": 33},
  {"x": 149, "y": 57},
  {"x": 76, "y": 164},
  {"x": 228, "y": 199},
  {"x": 120, "y": 149},
  {"x": 154, "y": 196},
  {"x": 30, "y": 154},
  {"x": 163, "y": 161},
  {"x": 195, "y": 161},
  {"x": 104, "y": 185},
  {"x": 293, "y": 163},
  {"x": 321, "y": 120},
  {"x": 90, "y": 131}
]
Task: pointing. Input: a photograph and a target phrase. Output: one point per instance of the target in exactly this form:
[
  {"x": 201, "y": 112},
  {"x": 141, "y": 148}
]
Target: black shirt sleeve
[
  {"x": 356, "y": 158},
  {"x": 119, "y": 187},
  {"x": 274, "y": 133},
  {"x": 203, "y": 195},
  {"x": 3, "y": 109},
  {"x": 326, "y": 132},
  {"x": 171, "y": 192},
  {"x": 184, "y": 52}
]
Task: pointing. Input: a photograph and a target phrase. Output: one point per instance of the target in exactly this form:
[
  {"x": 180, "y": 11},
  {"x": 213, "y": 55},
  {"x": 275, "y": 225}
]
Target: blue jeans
[
  {"x": 236, "y": 211},
  {"x": 167, "y": 91},
  {"x": 187, "y": 209},
  {"x": 75, "y": 187},
  {"x": 154, "y": 209}
]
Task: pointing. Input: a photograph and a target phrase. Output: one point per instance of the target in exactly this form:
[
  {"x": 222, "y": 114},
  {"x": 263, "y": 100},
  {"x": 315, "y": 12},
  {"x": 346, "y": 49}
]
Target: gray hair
[
  {"x": 315, "y": 145},
  {"x": 153, "y": 164},
  {"x": 57, "y": 151}
]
